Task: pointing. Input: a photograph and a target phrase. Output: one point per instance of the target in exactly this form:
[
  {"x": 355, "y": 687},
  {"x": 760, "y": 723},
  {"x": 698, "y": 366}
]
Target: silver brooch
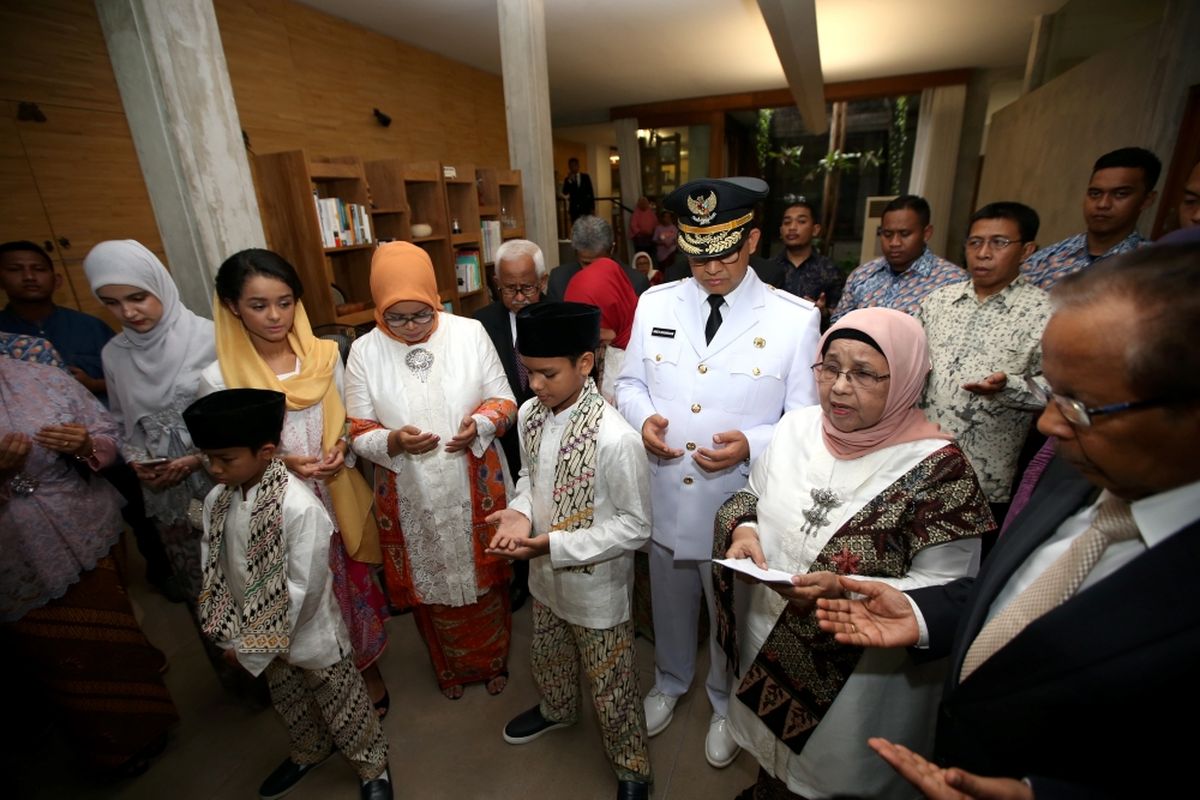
[
  {"x": 419, "y": 361},
  {"x": 825, "y": 500}
]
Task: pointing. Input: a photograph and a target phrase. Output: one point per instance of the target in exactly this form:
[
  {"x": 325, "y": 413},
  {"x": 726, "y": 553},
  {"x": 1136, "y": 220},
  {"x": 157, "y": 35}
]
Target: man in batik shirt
[
  {"x": 907, "y": 271},
  {"x": 1121, "y": 188}
]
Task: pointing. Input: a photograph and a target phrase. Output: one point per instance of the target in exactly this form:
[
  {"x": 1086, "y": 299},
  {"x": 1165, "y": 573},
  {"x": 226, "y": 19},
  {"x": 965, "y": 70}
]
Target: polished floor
[{"x": 439, "y": 748}]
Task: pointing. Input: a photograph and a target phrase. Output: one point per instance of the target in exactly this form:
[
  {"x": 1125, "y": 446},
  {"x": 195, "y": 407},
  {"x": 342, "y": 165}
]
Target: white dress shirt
[
  {"x": 318, "y": 634},
  {"x": 620, "y": 523}
]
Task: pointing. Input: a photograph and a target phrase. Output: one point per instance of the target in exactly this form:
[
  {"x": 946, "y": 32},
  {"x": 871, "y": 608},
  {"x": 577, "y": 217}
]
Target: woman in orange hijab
[
  {"x": 264, "y": 341},
  {"x": 428, "y": 402}
]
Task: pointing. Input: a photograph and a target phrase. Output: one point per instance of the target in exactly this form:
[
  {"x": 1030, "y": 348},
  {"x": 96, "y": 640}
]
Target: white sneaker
[
  {"x": 719, "y": 747},
  {"x": 660, "y": 710}
]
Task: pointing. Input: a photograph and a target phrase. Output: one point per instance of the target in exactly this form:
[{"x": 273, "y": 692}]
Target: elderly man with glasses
[
  {"x": 520, "y": 281},
  {"x": 1073, "y": 653},
  {"x": 985, "y": 336}
]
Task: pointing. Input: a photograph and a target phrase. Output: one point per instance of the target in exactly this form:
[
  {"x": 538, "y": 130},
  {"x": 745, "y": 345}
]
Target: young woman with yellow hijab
[
  {"x": 264, "y": 341},
  {"x": 428, "y": 401}
]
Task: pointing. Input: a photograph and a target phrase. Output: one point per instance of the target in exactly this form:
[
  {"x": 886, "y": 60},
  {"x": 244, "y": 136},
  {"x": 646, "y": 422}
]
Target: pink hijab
[{"x": 902, "y": 340}]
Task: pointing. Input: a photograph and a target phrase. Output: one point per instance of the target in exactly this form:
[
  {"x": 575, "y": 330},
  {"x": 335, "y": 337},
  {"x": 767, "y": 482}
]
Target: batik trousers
[
  {"x": 327, "y": 707},
  {"x": 607, "y": 658}
]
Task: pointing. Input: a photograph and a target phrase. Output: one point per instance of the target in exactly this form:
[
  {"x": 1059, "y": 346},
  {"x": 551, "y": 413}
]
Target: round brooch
[{"x": 419, "y": 361}]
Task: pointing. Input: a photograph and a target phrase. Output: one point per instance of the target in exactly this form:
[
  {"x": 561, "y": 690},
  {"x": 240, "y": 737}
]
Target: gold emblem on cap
[
  {"x": 703, "y": 209},
  {"x": 760, "y": 343}
]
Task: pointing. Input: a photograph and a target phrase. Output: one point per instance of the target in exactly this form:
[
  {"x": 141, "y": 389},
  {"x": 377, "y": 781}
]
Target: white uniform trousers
[{"x": 675, "y": 591}]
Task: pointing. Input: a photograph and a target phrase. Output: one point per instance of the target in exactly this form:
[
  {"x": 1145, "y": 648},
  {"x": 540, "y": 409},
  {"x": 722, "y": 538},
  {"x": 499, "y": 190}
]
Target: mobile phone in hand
[{"x": 154, "y": 462}]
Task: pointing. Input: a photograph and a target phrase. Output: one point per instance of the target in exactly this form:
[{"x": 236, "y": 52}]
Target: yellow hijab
[{"x": 242, "y": 367}]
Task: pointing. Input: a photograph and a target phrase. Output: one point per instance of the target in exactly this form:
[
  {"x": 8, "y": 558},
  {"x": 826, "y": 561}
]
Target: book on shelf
[
  {"x": 342, "y": 224},
  {"x": 448, "y": 306},
  {"x": 490, "y": 233},
  {"x": 468, "y": 270}
]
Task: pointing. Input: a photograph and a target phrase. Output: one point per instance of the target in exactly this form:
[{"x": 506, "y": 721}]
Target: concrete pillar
[
  {"x": 527, "y": 107},
  {"x": 1037, "y": 60},
  {"x": 174, "y": 85},
  {"x": 935, "y": 156},
  {"x": 631, "y": 165}
]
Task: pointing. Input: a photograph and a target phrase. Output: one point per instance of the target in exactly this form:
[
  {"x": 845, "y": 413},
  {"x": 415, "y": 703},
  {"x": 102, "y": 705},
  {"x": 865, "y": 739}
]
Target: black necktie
[{"x": 714, "y": 317}]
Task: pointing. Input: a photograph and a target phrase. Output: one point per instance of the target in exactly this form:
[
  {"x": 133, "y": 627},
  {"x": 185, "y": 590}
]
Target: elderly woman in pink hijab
[{"x": 862, "y": 484}]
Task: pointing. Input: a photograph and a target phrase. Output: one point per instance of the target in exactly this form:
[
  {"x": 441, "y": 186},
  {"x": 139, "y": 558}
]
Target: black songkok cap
[
  {"x": 558, "y": 330},
  {"x": 715, "y": 215},
  {"x": 236, "y": 418}
]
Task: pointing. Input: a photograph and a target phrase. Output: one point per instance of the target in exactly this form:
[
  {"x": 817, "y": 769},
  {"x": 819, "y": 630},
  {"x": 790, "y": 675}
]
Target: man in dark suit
[
  {"x": 521, "y": 279},
  {"x": 591, "y": 238},
  {"x": 577, "y": 189},
  {"x": 1073, "y": 654}
]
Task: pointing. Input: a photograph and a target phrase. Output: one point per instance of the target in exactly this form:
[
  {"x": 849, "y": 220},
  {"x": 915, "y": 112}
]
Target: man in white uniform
[{"x": 713, "y": 363}]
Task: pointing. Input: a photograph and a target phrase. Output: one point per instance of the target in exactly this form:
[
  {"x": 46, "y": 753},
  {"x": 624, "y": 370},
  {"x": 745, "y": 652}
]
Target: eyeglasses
[
  {"x": 729, "y": 260},
  {"x": 1074, "y": 411},
  {"x": 526, "y": 289},
  {"x": 996, "y": 242},
  {"x": 858, "y": 378},
  {"x": 400, "y": 320}
]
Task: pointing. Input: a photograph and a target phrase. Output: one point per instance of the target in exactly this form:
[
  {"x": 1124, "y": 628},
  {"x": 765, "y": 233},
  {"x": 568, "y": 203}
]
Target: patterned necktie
[
  {"x": 522, "y": 373},
  {"x": 1113, "y": 523},
  {"x": 714, "y": 317}
]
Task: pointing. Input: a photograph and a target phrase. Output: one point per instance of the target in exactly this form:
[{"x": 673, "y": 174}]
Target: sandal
[
  {"x": 491, "y": 687},
  {"x": 383, "y": 704}
]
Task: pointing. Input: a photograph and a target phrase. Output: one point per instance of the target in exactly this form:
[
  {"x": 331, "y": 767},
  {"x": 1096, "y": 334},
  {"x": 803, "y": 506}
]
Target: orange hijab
[
  {"x": 243, "y": 368},
  {"x": 401, "y": 271}
]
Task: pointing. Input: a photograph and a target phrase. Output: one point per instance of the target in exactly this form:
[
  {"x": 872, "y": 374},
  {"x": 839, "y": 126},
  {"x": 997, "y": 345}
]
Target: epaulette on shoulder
[
  {"x": 662, "y": 286},
  {"x": 791, "y": 298}
]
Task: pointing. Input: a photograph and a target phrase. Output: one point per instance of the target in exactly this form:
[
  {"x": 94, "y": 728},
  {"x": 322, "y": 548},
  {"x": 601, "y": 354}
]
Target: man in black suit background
[
  {"x": 577, "y": 189},
  {"x": 1073, "y": 654},
  {"x": 521, "y": 281}
]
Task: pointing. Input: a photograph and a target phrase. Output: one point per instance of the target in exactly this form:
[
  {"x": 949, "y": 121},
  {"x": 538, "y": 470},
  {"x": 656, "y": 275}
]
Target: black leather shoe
[
  {"x": 633, "y": 790},
  {"x": 378, "y": 789},
  {"x": 526, "y": 727},
  {"x": 284, "y": 778}
]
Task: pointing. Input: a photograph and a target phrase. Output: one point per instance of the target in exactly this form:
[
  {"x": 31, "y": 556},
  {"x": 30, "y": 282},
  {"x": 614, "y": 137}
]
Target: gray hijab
[{"x": 146, "y": 371}]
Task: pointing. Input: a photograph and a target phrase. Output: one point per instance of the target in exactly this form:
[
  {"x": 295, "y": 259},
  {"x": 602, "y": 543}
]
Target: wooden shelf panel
[
  {"x": 419, "y": 239},
  {"x": 389, "y": 211},
  {"x": 489, "y": 210},
  {"x": 357, "y": 317},
  {"x": 512, "y": 233},
  {"x": 327, "y": 171},
  {"x": 329, "y": 251},
  {"x": 457, "y": 239}
]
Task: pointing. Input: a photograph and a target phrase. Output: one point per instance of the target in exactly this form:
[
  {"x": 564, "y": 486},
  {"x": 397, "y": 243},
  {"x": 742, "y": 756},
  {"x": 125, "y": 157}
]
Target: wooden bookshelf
[
  {"x": 501, "y": 201},
  {"x": 462, "y": 209},
  {"x": 287, "y": 182},
  {"x": 398, "y": 195},
  {"x": 408, "y": 194}
]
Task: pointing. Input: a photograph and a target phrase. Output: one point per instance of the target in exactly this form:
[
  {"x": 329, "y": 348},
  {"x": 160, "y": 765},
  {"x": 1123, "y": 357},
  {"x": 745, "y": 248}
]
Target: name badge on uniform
[{"x": 668, "y": 333}]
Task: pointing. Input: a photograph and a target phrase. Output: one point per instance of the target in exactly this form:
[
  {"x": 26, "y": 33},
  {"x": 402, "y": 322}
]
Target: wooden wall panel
[
  {"x": 303, "y": 79},
  {"x": 53, "y": 52}
]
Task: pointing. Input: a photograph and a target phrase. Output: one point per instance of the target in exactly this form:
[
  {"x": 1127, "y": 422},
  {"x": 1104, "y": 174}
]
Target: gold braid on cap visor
[
  {"x": 713, "y": 229},
  {"x": 710, "y": 242}
]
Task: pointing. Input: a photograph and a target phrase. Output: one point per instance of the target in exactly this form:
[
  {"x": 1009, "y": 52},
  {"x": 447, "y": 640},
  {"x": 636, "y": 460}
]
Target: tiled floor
[{"x": 439, "y": 748}]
